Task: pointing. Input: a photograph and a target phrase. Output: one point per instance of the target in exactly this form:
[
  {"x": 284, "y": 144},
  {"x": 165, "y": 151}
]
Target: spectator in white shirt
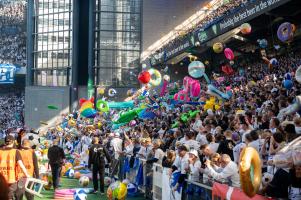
[
  {"x": 239, "y": 145},
  {"x": 190, "y": 141},
  {"x": 145, "y": 148},
  {"x": 159, "y": 154},
  {"x": 194, "y": 166},
  {"x": 256, "y": 142},
  {"x": 197, "y": 124},
  {"x": 212, "y": 144},
  {"x": 201, "y": 136},
  {"x": 116, "y": 144},
  {"x": 274, "y": 124},
  {"x": 229, "y": 171}
]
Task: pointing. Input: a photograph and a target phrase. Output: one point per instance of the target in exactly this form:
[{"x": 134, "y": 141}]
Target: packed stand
[
  {"x": 13, "y": 32},
  {"x": 12, "y": 111}
]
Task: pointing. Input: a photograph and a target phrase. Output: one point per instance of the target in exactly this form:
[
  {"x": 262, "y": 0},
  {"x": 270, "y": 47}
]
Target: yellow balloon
[
  {"x": 101, "y": 91},
  {"x": 59, "y": 129},
  {"x": 71, "y": 123},
  {"x": 218, "y": 47},
  {"x": 122, "y": 191}
]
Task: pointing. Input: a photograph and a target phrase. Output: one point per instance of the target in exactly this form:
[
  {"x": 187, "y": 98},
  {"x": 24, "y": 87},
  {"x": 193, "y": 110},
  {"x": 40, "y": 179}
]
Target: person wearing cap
[
  {"x": 10, "y": 158},
  {"x": 30, "y": 161},
  {"x": 194, "y": 165},
  {"x": 97, "y": 155},
  {"x": 56, "y": 158}
]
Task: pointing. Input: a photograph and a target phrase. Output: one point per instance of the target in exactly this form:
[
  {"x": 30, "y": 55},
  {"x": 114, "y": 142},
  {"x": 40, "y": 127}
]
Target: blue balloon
[
  {"x": 196, "y": 69},
  {"x": 263, "y": 43},
  {"x": 288, "y": 76},
  {"x": 288, "y": 84},
  {"x": 146, "y": 114},
  {"x": 89, "y": 113}
]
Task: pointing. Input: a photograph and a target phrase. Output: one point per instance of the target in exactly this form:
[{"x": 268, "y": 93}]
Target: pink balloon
[
  {"x": 229, "y": 54},
  {"x": 192, "y": 88},
  {"x": 228, "y": 88},
  {"x": 182, "y": 95},
  {"x": 163, "y": 90},
  {"x": 195, "y": 89}
]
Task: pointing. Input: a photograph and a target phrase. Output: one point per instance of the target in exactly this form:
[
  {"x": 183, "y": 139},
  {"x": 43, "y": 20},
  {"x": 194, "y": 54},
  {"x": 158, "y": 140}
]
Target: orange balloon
[{"x": 77, "y": 175}]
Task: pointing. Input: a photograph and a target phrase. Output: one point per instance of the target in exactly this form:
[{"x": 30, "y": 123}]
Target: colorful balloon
[
  {"x": 229, "y": 54},
  {"x": 52, "y": 107},
  {"x": 144, "y": 77},
  {"x": 273, "y": 61},
  {"x": 285, "y": 32},
  {"x": 112, "y": 92},
  {"x": 288, "y": 84},
  {"x": 117, "y": 190},
  {"x": 155, "y": 77},
  {"x": 166, "y": 78},
  {"x": 263, "y": 43},
  {"x": 245, "y": 28},
  {"x": 196, "y": 69},
  {"x": 102, "y": 105},
  {"x": 218, "y": 47}
]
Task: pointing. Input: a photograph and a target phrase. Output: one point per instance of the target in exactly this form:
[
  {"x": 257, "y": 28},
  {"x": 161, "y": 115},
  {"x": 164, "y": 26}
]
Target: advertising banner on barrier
[{"x": 222, "y": 191}]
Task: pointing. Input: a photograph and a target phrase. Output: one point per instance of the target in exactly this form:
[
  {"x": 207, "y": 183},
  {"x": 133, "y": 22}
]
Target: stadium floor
[{"x": 73, "y": 183}]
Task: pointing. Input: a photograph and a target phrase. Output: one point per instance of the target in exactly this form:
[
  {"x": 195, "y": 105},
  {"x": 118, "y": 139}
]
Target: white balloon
[{"x": 166, "y": 77}]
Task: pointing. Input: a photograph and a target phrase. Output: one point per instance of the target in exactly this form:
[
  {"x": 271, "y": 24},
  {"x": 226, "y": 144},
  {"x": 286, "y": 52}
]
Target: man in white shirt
[
  {"x": 229, "y": 172},
  {"x": 181, "y": 164},
  {"x": 190, "y": 141}
]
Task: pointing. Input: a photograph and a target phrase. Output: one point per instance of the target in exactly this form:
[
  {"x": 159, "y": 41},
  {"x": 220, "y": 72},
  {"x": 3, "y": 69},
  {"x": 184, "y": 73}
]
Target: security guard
[
  {"x": 97, "y": 154},
  {"x": 9, "y": 159},
  {"x": 30, "y": 162}
]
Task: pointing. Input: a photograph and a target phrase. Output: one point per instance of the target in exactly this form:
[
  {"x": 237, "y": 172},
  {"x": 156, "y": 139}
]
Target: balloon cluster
[{"x": 192, "y": 88}]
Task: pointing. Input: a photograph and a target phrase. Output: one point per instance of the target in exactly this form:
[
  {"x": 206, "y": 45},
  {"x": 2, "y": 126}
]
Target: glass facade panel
[
  {"x": 52, "y": 42},
  {"x": 117, "y": 42}
]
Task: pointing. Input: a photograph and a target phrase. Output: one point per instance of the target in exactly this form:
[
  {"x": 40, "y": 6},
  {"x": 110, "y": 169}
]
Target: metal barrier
[
  {"x": 156, "y": 182},
  {"x": 197, "y": 190}
]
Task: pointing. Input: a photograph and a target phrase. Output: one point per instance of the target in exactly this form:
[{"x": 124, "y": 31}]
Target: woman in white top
[
  {"x": 158, "y": 153},
  {"x": 212, "y": 144}
]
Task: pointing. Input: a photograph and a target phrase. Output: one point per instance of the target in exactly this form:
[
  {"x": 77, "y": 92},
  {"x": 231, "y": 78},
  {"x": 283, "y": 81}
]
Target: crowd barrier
[{"x": 154, "y": 182}]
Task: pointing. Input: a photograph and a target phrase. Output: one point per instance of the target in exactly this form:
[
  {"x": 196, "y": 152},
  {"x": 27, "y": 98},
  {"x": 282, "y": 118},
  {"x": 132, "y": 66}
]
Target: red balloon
[
  {"x": 144, "y": 77},
  {"x": 227, "y": 70}
]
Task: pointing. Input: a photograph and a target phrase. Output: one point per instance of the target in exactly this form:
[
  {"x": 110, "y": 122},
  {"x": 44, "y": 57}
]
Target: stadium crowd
[
  {"x": 11, "y": 109},
  {"x": 213, "y": 17},
  {"x": 207, "y": 147},
  {"x": 13, "y": 32}
]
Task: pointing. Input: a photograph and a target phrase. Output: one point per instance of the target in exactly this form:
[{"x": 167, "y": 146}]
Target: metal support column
[
  {"x": 29, "y": 42},
  {"x": 75, "y": 38}
]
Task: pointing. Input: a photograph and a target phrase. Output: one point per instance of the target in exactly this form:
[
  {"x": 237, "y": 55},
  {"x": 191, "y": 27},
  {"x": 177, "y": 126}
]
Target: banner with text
[{"x": 244, "y": 14}]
